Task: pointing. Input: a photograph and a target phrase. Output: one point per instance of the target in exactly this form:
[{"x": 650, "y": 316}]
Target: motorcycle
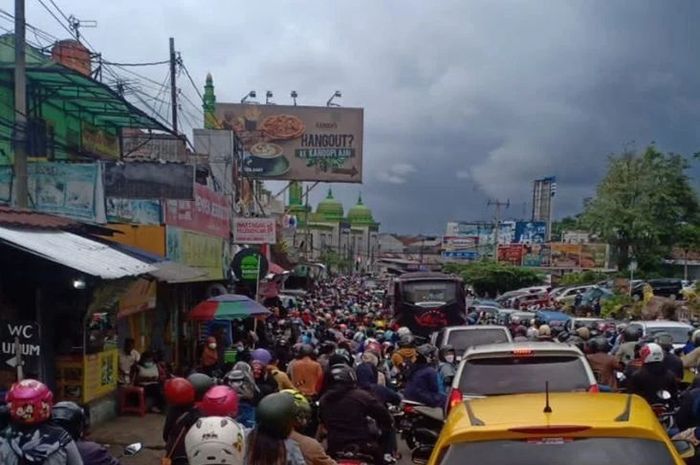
[
  {"x": 665, "y": 411},
  {"x": 353, "y": 458},
  {"x": 420, "y": 425}
]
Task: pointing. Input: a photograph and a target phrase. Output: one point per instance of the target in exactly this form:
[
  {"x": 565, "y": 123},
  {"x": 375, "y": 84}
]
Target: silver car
[{"x": 463, "y": 337}]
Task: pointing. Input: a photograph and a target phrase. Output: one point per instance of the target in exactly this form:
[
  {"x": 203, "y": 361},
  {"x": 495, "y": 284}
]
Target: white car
[
  {"x": 569, "y": 295},
  {"x": 679, "y": 331}
]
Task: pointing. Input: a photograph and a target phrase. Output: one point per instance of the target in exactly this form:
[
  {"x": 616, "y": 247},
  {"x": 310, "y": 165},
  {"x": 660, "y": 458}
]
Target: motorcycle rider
[
  {"x": 653, "y": 376},
  {"x": 625, "y": 351},
  {"x": 30, "y": 438},
  {"x": 311, "y": 449},
  {"x": 218, "y": 440},
  {"x": 422, "y": 384},
  {"x": 602, "y": 363},
  {"x": 269, "y": 443},
  {"x": 179, "y": 397},
  {"x": 306, "y": 373},
  {"x": 71, "y": 417},
  {"x": 343, "y": 412},
  {"x": 447, "y": 369},
  {"x": 672, "y": 362},
  {"x": 692, "y": 359}
]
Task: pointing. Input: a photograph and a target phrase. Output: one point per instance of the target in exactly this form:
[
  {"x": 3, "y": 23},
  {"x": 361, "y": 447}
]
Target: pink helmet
[
  {"x": 219, "y": 401},
  {"x": 30, "y": 402}
]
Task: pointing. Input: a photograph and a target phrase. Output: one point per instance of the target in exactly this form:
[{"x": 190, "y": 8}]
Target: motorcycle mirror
[
  {"x": 664, "y": 395},
  {"x": 684, "y": 448},
  {"x": 421, "y": 455},
  {"x": 133, "y": 449}
]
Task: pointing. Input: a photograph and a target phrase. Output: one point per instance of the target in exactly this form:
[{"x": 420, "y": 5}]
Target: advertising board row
[
  {"x": 555, "y": 255},
  {"x": 510, "y": 232}
]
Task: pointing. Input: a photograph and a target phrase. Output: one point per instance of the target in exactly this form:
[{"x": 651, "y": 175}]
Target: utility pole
[
  {"x": 497, "y": 228},
  {"x": 173, "y": 84},
  {"x": 20, "y": 136}
]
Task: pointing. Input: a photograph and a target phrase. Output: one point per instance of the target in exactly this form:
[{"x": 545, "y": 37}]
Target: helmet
[
  {"x": 696, "y": 338},
  {"x": 275, "y": 414},
  {"x": 406, "y": 340},
  {"x": 374, "y": 347},
  {"x": 217, "y": 440},
  {"x": 403, "y": 331},
  {"x": 583, "y": 332},
  {"x": 30, "y": 402},
  {"x": 327, "y": 347},
  {"x": 261, "y": 355},
  {"x": 599, "y": 344},
  {"x": 341, "y": 356},
  {"x": 427, "y": 351},
  {"x": 201, "y": 384},
  {"x": 303, "y": 408},
  {"x": 444, "y": 350},
  {"x": 220, "y": 401},
  {"x": 651, "y": 353},
  {"x": 544, "y": 331},
  {"x": 71, "y": 417},
  {"x": 632, "y": 333},
  {"x": 306, "y": 350},
  {"x": 179, "y": 391},
  {"x": 343, "y": 374},
  {"x": 665, "y": 340}
]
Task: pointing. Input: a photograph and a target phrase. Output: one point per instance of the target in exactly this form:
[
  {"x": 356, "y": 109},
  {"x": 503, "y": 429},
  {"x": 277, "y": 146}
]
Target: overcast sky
[{"x": 465, "y": 101}]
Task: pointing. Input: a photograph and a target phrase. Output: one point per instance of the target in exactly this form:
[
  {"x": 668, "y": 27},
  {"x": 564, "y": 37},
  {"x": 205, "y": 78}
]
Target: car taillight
[
  {"x": 454, "y": 399},
  {"x": 593, "y": 388},
  {"x": 408, "y": 409},
  {"x": 522, "y": 352}
]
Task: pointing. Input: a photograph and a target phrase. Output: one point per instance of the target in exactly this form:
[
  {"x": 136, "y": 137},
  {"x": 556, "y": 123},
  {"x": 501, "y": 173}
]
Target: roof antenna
[{"x": 547, "y": 408}]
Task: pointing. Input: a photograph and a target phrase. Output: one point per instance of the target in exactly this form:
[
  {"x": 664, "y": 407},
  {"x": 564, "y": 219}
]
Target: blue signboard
[
  {"x": 530, "y": 232},
  {"x": 461, "y": 255}
]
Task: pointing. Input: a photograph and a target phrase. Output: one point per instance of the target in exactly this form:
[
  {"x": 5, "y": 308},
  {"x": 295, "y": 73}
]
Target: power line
[
  {"x": 151, "y": 63},
  {"x": 187, "y": 73},
  {"x": 60, "y": 11},
  {"x": 56, "y": 17}
]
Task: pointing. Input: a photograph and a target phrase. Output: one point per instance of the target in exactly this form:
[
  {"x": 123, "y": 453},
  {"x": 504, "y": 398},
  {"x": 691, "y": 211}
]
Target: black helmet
[
  {"x": 275, "y": 414},
  {"x": 342, "y": 374},
  {"x": 327, "y": 347},
  {"x": 306, "y": 350},
  {"x": 71, "y": 417},
  {"x": 665, "y": 340},
  {"x": 599, "y": 344},
  {"x": 427, "y": 351},
  {"x": 201, "y": 383},
  {"x": 444, "y": 350},
  {"x": 633, "y": 333}
]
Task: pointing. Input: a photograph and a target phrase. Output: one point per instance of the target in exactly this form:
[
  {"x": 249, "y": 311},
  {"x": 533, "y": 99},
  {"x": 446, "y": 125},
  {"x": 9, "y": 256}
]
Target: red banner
[
  {"x": 209, "y": 213},
  {"x": 511, "y": 253}
]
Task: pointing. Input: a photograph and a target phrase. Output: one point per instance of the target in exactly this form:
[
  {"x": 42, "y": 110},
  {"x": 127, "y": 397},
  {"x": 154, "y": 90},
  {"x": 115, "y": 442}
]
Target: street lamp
[
  {"x": 330, "y": 103},
  {"x": 250, "y": 94},
  {"x": 268, "y": 96},
  {"x": 294, "y": 96}
]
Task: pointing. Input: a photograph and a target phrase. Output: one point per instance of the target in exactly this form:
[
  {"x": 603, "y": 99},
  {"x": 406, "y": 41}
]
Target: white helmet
[
  {"x": 215, "y": 441},
  {"x": 403, "y": 331},
  {"x": 651, "y": 353}
]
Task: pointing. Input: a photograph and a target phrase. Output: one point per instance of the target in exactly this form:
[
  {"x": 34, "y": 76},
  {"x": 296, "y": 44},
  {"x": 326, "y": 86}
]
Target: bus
[{"x": 425, "y": 302}]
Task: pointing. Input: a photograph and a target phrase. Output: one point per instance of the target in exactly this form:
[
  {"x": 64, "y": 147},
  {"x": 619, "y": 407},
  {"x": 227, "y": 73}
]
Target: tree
[
  {"x": 494, "y": 278},
  {"x": 567, "y": 223},
  {"x": 640, "y": 204},
  {"x": 688, "y": 239}
]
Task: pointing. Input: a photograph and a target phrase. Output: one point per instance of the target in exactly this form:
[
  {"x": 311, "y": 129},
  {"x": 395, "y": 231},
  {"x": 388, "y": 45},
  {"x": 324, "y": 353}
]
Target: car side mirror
[
  {"x": 421, "y": 455},
  {"x": 133, "y": 449},
  {"x": 684, "y": 448}
]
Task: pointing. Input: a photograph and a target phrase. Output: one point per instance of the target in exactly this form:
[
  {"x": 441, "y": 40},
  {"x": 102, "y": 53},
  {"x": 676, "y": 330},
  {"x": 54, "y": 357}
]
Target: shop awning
[{"x": 77, "y": 252}]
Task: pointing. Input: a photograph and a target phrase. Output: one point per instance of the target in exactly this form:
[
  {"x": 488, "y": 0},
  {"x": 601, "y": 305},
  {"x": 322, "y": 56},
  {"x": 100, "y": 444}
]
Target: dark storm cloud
[{"x": 465, "y": 100}]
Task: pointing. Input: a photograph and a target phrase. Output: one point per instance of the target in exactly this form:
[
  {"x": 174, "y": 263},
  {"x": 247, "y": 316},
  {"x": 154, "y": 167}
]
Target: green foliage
[
  {"x": 640, "y": 204},
  {"x": 494, "y": 278},
  {"x": 620, "y": 306},
  {"x": 688, "y": 237},
  {"x": 336, "y": 261},
  {"x": 582, "y": 278},
  {"x": 567, "y": 223}
]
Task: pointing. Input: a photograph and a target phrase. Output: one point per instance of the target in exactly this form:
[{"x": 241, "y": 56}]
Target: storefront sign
[
  {"x": 296, "y": 142},
  {"x": 530, "y": 232},
  {"x": 566, "y": 255},
  {"x": 196, "y": 250},
  {"x": 254, "y": 231},
  {"x": 511, "y": 254},
  {"x": 139, "y": 297},
  {"x": 97, "y": 141},
  {"x": 147, "y": 180},
  {"x": 133, "y": 211},
  {"x": 150, "y": 238},
  {"x": 209, "y": 212},
  {"x": 249, "y": 265},
  {"x": 144, "y": 146},
  {"x": 28, "y": 335},
  {"x": 99, "y": 374}
]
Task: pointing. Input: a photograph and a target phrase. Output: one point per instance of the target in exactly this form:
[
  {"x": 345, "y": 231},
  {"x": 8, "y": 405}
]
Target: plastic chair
[{"x": 127, "y": 394}]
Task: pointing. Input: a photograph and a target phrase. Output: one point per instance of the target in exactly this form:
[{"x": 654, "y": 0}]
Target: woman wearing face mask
[
  {"x": 447, "y": 367},
  {"x": 148, "y": 378},
  {"x": 210, "y": 356}
]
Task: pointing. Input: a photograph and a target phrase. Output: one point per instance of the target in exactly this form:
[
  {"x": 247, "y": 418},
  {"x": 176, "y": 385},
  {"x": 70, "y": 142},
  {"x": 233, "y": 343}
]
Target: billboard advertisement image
[
  {"x": 566, "y": 255},
  {"x": 530, "y": 232},
  {"x": 297, "y": 142},
  {"x": 511, "y": 254},
  {"x": 594, "y": 256},
  {"x": 537, "y": 255}
]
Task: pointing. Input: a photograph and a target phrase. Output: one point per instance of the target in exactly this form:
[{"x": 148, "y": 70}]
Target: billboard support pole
[
  {"x": 306, "y": 220},
  {"x": 497, "y": 229}
]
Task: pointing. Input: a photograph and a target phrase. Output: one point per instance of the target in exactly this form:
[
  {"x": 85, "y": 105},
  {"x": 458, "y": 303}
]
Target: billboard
[
  {"x": 197, "y": 250},
  {"x": 297, "y": 142},
  {"x": 530, "y": 232},
  {"x": 133, "y": 211},
  {"x": 511, "y": 254},
  {"x": 594, "y": 256},
  {"x": 450, "y": 243},
  {"x": 149, "y": 180},
  {"x": 566, "y": 255},
  {"x": 537, "y": 255},
  {"x": 208, "y": 213},
  {"x": 483, "y": 231},
  {"x": 254, "y": 230}
]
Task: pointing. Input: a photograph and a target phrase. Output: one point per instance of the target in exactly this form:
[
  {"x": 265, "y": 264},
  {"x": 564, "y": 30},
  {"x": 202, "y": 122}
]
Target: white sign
[
  {"x": 254, "y": 231},
  {"x": 27, "y": 334}
]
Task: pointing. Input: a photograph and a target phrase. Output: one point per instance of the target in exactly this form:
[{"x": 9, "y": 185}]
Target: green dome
[
  {"x": 330, "y": 209},
  {"x": 360, "y": 214}
]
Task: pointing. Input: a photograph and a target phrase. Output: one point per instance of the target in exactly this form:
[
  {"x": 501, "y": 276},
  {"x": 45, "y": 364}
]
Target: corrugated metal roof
[
  {"x": 19, "y": 217},
  {"x": 77, "y": 252}
]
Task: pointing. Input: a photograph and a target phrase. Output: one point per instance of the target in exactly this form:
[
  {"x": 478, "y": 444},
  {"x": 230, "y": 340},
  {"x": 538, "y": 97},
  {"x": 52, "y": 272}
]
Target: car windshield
[
  {"x": 461, "y": 340},
  {"x": 593, "y": 323},
  {"x": 559, "y": 451},
  {"x": 417, "y": 292},
  {"x": 517, "y": 375},
  {"x": 679, "y": 333}
]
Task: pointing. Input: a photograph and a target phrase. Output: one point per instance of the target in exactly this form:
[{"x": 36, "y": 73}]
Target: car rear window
[
  {"x": 679, "y": 334},
  {"x": 462, "y": 340},
  {"x": 558, "y": 451},
  {"x": 517, "y": 375}
]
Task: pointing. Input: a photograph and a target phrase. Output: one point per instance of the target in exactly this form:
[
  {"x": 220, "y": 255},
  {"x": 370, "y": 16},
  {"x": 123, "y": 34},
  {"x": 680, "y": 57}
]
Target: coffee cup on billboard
[
  {"x": 265, "y": 155},
  {"x": 251, "y": 116}
]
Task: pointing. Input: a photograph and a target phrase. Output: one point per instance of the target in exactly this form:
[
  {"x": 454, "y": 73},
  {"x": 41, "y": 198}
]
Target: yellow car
[{"x": 555, "y": 429}]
